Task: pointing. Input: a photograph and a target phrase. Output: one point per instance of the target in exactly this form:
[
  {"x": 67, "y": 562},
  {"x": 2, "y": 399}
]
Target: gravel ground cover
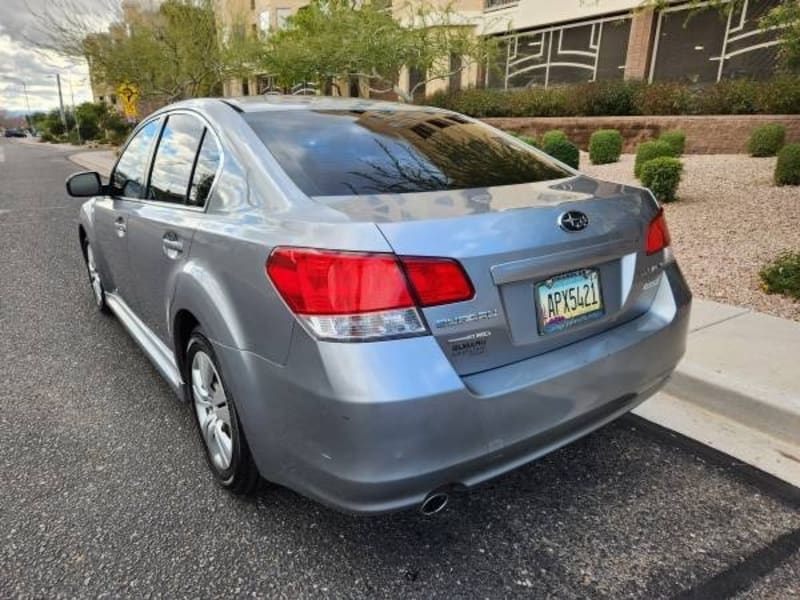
[{"x": 728, "y": 222}]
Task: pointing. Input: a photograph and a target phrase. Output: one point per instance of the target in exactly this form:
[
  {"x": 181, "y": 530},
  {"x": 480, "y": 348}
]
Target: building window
[
  {"x": 254, "y": 30},
  {"x": 283, "y": 14},
  {"x": 574, "y": 53},
  {"x": 456, "y": 66},
  {"x": 490, "y": 4},
  {"x": 708, "y": 45},
  {"x": 245, "y": 87},
  {"x": 252, "y": 4},
  {"x": 416, "y": 77},
  {"x": 263, "y": 21}
]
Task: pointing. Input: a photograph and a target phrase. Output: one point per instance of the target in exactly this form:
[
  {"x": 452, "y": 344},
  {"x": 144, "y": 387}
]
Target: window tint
[
  {"x": 336, "y": 152},
  {"x": 204, "y": 171},
  {"x": 129, "y": 175},
  {"x": 174, "y": 159}
]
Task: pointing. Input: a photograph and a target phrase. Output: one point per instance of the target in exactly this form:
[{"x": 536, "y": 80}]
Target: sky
[{"x": 21, "y": 61}]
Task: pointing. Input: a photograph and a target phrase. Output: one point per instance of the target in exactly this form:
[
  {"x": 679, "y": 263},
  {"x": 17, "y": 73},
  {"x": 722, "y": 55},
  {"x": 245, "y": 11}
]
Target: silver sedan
[{"x": 378, "y": 305}]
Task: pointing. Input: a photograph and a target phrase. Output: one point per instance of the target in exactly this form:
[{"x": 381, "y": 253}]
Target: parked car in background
[
  {"x": 14, "y": 133},
  {"x": 378, "y": 305}
]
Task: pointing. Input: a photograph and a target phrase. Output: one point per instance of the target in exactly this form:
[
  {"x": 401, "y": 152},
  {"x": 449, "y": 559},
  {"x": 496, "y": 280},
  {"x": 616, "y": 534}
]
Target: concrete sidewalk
[
  {"x": 101, "y": 161},
  {"x": 738, "y": 388}
]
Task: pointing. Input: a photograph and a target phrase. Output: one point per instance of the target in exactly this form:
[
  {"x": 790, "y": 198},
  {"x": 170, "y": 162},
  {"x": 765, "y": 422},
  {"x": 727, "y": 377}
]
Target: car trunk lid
[{"x": 509, "y": 241}]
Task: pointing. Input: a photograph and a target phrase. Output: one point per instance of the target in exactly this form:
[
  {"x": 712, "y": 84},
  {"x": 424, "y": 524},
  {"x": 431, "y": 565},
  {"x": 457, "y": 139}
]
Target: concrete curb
[
  {"x": 741, "y": 366},
  {"x": 739, "y": 401}
]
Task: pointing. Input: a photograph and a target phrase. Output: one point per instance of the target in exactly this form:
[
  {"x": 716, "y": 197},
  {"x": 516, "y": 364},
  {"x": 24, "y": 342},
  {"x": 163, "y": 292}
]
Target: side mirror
[{"x": 84, "y": 185}]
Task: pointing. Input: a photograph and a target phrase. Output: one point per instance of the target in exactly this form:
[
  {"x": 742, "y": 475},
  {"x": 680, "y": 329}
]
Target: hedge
[
  {"x": 676, "y": 139},
  {"x": 605, "y": 146},
  {"x": 553, "y": 136},
  {"x": 787, "y": 169},
  {"x": 649, "y": 150},
  {"x": 766, "y": 140},
  {"x": 780, "y": 95},
  {"x": 662, "y": 175},
  {"x": 563, "y": 150},
  {"x": 782, "y": 276}
]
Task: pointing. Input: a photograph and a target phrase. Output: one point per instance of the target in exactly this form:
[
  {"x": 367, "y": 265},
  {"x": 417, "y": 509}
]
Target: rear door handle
[{"x": 172, "y": 244}]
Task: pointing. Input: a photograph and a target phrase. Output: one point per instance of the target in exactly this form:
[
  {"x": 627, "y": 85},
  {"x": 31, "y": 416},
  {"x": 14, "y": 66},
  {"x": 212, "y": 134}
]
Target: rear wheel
[
  {"x": 98, "y": 291},
  {"x": 217, "y": 421}
]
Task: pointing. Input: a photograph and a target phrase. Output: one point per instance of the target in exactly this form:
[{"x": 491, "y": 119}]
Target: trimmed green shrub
[
  {"x": 665, "y": 98},
  {"x": 782, "y": 276},
  {"x": 649, "y": 150},
  {"x": 779, "y": 95},
  {"x": 553, "y": 136},
  {"x": 766, "y": 140},
  {"x": 563, "y": 150},
  {"x": 528, "y": 139},
  {"x": 676, "y": 139},
  {"x": 787, "y": 169},
  {"x": 662, "y": 175},
  {"x": 604, "y": 98},
  {"x": 729, "y": 97},
  {"x": 605, "y": 146}
]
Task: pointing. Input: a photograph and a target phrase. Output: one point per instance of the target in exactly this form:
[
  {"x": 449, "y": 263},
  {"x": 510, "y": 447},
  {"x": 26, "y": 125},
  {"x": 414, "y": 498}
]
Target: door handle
[
  {"x": 172, "y": 244},
  {"x": 120, "y": 226}
]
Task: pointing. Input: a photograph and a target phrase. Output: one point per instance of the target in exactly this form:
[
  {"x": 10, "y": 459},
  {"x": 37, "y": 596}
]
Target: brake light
[
  {"x": 437, "y": 280},
  {"x": 657, "y": 233},
  {"x": 353, "y": 296}
]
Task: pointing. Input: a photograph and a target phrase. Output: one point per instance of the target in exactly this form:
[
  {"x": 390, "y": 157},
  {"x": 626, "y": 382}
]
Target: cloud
[{"x": 23, "y": 60}]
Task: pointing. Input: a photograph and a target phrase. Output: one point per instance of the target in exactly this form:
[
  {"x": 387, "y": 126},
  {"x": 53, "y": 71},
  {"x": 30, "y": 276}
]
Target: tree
[
  {"x": 784, "y": 18},
  {"x": 171, "y": 50},
  {"x": 337, "y": 40}
]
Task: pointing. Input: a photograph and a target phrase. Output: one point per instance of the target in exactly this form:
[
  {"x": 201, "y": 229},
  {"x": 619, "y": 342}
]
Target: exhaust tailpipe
[{"x": 433, "y": 503}]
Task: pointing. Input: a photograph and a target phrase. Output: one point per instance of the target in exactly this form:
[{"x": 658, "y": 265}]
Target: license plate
[{"x": 566, "y": 300}]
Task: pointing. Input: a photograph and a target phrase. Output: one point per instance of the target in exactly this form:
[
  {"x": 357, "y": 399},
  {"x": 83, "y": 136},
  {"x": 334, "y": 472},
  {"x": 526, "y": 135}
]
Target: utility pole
[
  {"x": 75, "y": 112},
  {"x": 27, "y": 104},
  {"x": 61, "y": 102}
]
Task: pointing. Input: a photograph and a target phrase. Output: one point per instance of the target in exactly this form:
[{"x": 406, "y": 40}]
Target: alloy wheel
[{"x": 213, "y": 413}]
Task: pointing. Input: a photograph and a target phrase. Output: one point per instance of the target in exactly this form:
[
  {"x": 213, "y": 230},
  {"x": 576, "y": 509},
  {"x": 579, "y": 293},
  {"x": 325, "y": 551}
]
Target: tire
[
  {"x": 217, "y": 420},
  {"x": 95, "y": 281}
]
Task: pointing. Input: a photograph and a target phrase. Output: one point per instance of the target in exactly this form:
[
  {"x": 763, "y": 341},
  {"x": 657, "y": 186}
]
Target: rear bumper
[{"x": 371, "y": 428}]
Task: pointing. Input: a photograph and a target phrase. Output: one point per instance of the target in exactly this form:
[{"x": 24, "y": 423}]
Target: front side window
[
  {"x": 130, "y": 173},
  {"x": 206, "y": 168},
  {"x": 174, "y": 159},
  {"x": 358, "y": 152}
]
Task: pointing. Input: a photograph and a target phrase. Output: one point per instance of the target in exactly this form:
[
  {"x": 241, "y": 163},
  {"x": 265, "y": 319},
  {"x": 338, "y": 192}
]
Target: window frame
[{"x": 163, "y": 117}]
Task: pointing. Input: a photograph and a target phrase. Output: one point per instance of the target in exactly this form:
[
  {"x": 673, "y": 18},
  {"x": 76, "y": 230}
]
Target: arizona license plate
[{"x": 569, "y": 299}]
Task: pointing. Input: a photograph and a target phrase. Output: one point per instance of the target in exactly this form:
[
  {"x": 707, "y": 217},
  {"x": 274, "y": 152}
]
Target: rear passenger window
[
  {"x": 204, "y": 171},
  {"x": 174, "y": 159}
]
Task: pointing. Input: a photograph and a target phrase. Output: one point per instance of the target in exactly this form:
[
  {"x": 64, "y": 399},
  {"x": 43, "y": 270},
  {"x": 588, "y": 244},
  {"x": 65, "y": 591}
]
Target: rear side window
[
  {"x": 338, "y": 152},
  {"x": 205, "y": 169},
  {"x": 174, "y": 159},
  {"x": 131, "y": 170}
]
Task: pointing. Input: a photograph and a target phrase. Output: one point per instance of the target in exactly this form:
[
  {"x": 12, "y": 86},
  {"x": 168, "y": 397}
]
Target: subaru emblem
[{"x": 573, "y": 220}]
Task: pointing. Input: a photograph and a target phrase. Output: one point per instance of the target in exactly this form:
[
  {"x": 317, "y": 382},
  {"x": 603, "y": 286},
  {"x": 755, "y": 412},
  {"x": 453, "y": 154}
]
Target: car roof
[{"x": 278, "y": 102}]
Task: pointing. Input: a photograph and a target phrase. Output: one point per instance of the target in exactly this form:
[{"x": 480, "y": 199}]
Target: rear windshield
[{"x": 345, "y": 152}]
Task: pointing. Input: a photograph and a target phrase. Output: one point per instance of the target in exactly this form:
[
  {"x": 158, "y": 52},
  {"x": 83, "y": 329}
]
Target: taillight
[
  {"x": 437, "y": 280},
  {"x": 351, "y": 296},
  {"x": 657, "y": 233}
]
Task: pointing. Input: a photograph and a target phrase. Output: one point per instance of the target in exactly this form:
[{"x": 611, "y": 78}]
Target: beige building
[{"x": 570, "y": 41}]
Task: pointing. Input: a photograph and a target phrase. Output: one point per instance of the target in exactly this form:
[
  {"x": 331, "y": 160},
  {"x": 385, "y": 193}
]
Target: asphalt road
[{"x": 104, "y": 491}]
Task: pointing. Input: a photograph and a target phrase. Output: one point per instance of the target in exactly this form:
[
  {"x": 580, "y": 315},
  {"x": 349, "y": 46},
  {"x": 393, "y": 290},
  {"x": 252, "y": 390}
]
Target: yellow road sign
[{"x": 128, "y": 94}]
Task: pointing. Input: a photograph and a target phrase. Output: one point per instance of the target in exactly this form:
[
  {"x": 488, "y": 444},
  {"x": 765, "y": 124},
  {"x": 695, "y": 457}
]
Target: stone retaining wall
[{"x": 714, "y": 134}]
